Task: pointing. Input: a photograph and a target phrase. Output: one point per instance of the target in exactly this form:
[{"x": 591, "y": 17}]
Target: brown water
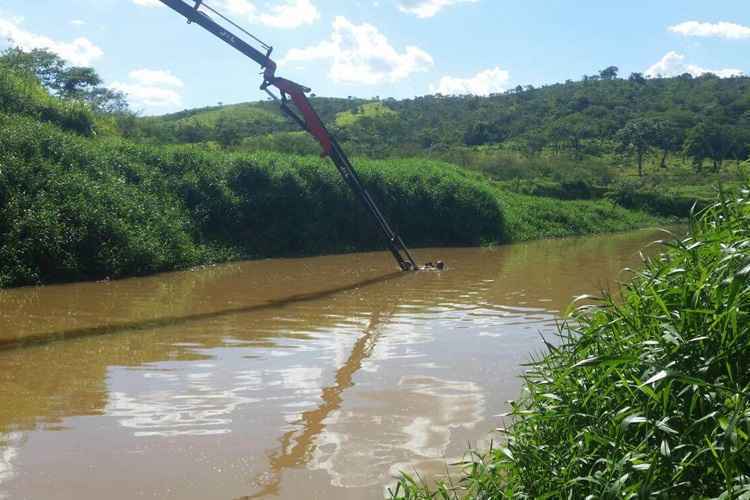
[{"x": 303, "y": 378}]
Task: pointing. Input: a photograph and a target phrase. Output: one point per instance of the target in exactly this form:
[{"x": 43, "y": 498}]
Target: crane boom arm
[
  {"x": 194, "y": 15},
  {"x": 309, "y": 119}
]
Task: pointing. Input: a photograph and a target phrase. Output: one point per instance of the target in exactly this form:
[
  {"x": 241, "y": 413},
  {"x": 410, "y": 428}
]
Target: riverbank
[
  {"x": 78, "y": 202},
  {"x": 649, "y": 396}
]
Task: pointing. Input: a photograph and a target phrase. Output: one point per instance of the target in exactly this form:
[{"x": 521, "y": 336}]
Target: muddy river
[{"x": 294, "y": 378}]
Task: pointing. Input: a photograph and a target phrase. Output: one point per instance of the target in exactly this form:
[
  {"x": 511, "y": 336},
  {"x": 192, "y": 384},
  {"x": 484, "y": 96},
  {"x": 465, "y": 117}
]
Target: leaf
[
  {"x": 744, "y": 271},
  {"x": 706, "y": 417},
  {"x": 587, "y": 362},
  {"x": 664, "y": 449},
  {"x": 657, "y": 377},
  {"x": 634, "y": 419},
  {"x": 724, "y": 423},
  {"x": 662, "y": 425},
  {"x": 507, "y": 452},
  {"x": 552, "y": 396}
]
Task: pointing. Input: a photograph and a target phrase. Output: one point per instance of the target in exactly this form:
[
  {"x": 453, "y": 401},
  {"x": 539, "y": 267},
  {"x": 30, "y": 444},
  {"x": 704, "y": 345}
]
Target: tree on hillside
[
  {"x": 76, "y": 82},
  {"x": 572, "y": 130},
  {"x": 193, "y": 132},
  {"x": 709, "y": 140},
  {"x": 534, "y": 143},
  {"x": 696, "y": 146},
  {"x": 609, "y": 73},
  {"x": 638, "y": 137},
  {"x": 67, "y": 82},
  {"x": 740, "y": 144},
  {"x": 668, "y": 138},
  {"x": 43, "y": 64}
]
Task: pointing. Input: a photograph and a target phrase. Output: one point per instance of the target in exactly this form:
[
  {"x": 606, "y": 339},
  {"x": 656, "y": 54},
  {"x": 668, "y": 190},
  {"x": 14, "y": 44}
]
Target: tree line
[{"x": 705, "y": 119}]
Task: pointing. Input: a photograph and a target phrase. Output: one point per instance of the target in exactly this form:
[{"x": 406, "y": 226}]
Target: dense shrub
[
  {"x": 532, "y": 217},
  {"x": 656, "y": 199},
  {"x": 73, "y": 207},
  {"x": 62, "y": 218}
]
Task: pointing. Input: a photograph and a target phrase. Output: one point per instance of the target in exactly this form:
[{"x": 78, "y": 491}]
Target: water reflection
[
  {"x": 9, "y": 444},
  {"x": 297, "y": 446},
  {"x": 418, "y": 418},
  {"x": 296, "y": 378}
]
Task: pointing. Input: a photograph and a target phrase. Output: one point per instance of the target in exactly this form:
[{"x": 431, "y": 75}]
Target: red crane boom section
[{"x": 309, "y": 119}]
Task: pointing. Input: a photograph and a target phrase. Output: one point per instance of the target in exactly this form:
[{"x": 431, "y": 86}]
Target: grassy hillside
[
  {"x": 77, "y": 201},
  {"x": 580, "y": 118},
  {"x": 658, "y": 145},
  {"x": 644, "y": 397}
]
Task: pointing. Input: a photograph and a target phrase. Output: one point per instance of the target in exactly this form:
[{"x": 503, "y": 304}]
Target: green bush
[
  {"x": 660, "y": 200},
  {"x": 74, "y": 220},
  {"x": 78, "y": 208},
  {"x": 533, "y": 217}
]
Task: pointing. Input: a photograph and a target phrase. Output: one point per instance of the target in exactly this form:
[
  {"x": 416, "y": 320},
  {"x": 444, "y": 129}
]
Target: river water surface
[{"x": 294, "y": 378}]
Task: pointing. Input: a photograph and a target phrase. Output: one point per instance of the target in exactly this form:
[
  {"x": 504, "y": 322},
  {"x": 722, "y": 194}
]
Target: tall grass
[{"x": 647, "y": 397}]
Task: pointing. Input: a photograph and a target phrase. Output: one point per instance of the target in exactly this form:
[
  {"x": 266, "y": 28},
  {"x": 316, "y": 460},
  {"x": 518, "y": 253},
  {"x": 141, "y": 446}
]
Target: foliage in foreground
[{"x": 644, "y": 397}]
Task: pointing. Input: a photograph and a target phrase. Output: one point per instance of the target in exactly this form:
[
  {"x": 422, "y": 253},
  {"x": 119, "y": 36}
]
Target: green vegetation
[
  {"x": 71, "y": 83},
  {"x": 656, "y": 144},
  {"x": 22, "y": 94},
  {"x": 88, "y": 190},
  {"x": 644, "y": 396},
  {"x": 703, "y": 118},
  {"x": 372, "y": 111},
  {"x": 74, "y": 207}
]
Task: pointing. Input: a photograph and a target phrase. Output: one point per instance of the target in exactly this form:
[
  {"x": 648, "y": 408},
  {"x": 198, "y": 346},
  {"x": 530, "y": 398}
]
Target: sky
[{"x": 384, "y": 48}]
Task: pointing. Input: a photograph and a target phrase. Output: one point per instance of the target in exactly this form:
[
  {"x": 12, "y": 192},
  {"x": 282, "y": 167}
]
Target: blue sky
[{"x": 386, "y": 48}]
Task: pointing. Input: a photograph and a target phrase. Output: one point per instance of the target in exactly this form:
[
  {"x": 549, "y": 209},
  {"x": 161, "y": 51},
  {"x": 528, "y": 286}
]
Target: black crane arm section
[{"x": 305, "y": 115}]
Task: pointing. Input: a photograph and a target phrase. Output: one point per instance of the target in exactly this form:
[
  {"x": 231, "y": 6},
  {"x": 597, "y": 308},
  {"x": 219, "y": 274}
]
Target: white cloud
[
  {"x": 428, "y": 8},
  {"x": 485, "y": 82},
  {"x": 152, "y": 88},
  {"x": 673, "y": 64},
  {"x": 291, "y": 14},
  {"x": 77, "y": 22},
  {"x": 152, "y": 97},
  {"x": 359, "y": 53},
  {"x": 155, "y": 77},
  {"x": 714, "y": 30},
  {"x": 79, "y": 52}
]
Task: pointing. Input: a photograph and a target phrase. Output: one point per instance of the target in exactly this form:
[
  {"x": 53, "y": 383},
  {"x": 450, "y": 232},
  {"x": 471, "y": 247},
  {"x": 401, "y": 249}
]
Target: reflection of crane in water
[{"x": 299, "y": 453}]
